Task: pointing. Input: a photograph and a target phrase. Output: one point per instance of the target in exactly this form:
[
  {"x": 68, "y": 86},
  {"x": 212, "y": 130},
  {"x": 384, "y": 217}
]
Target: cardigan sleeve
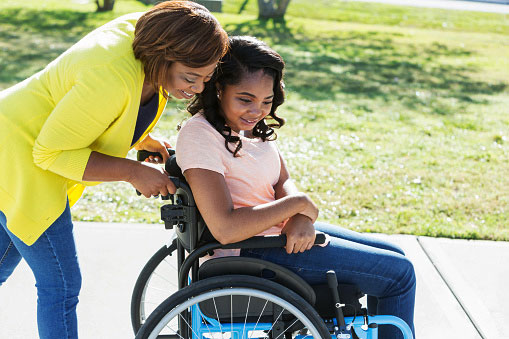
[{"x": 97, "y": 98}]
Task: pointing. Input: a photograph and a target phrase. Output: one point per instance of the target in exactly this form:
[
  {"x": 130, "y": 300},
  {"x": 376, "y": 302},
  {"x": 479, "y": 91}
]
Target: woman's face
[
  {"x": 184, "y": 82},
  {"x": 247, "y": 102}
]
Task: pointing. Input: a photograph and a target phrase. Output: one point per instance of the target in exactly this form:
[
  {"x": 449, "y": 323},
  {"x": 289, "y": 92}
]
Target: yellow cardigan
[{"x": 86, "y": 100}]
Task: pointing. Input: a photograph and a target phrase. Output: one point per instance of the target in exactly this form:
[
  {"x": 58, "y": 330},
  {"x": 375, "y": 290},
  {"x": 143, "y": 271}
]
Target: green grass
[{"x": 396, "y": 116}]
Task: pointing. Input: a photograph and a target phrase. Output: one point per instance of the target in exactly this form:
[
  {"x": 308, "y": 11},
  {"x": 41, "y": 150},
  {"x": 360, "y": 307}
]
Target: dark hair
[
  {"x": 177, "y": 31},
  {"x": 246, "y": 55}
]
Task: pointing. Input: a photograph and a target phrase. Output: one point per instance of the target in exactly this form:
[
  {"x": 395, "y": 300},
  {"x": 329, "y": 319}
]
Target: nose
[
  {"x": 198, "y": 87},
  {"x": 255, "y": 110}
]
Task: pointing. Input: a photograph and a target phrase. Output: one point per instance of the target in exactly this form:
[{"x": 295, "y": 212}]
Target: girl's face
[
  {"x": 247, "y": 102},
  {"x": 184, "y": 82}
]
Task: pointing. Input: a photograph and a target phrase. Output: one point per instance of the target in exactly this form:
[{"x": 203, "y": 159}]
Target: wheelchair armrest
[
  {"x": 268, "y": 242},
  {"x": 254, "y": 242}
]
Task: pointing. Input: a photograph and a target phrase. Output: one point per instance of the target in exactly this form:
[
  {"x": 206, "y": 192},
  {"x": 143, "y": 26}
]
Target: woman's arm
[
  {"x": 230, "y": 225},
  {"x": 148, "y": 179}
]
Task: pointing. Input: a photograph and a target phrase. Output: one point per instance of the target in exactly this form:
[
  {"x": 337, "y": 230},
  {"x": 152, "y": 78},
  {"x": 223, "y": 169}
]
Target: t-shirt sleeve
[
  {"x": 199, "y": 145},
  {"x": 78, "y": 119}
]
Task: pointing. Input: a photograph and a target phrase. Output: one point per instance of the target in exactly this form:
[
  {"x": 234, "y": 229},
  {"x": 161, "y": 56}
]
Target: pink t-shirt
[{"x": 250, "y": 176}]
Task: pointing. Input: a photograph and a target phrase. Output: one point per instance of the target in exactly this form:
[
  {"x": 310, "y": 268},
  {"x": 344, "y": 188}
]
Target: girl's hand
[
  {"x": 153, "y": 144},
  {"x": 151, "y": 180},
  {"x": 300, "y": 234}
]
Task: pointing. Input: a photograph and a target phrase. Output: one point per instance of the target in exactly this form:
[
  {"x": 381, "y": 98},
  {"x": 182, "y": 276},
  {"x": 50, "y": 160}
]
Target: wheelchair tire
[
  {"x": 290, "y": 314},
  {"x": 145, "y": 298}
]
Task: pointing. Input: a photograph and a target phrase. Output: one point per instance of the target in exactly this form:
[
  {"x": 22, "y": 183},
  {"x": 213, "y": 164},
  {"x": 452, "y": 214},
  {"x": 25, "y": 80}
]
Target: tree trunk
[
  {"x": 107, "y": 5},
  {"x": 272, "y": 8}
]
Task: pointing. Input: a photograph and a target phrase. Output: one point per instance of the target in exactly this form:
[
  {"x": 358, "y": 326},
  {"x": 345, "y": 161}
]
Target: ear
[{"x": 219, "y": 91}]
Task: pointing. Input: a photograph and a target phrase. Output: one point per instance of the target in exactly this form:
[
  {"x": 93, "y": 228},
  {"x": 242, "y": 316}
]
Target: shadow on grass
[
  {"x": 371, "y": 65},
  {"x": 30, "y": 39},
  {"x": 362, "y": 65}
]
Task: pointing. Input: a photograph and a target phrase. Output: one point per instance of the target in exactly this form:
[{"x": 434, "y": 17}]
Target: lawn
[{"x": 397, "y": 117}]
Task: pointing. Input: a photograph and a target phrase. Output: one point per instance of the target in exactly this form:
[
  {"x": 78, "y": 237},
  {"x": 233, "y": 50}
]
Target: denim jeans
[
  {"x": 378, "y": 268},
  {"x": 54, "y": 262}
]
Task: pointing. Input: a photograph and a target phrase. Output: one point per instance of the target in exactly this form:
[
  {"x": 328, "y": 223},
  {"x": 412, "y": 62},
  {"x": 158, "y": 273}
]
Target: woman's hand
[
  {"x": 153, "y": 144},
  {"x": 300, "y": 234},
  {"x": 151, "y": 180}
]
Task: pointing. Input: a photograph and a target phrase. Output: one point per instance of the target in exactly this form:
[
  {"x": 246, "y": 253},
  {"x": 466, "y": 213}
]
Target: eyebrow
[
  {"x": 199, "y": 75},
  {"x": 254, "y": 96}
]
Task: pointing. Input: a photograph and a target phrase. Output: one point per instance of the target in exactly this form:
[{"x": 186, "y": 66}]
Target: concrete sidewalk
[{"x": 461, "y": 284}]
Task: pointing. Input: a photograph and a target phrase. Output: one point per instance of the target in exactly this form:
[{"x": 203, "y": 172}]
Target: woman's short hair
[
  {"x": 245, "y": 55},
  {"x": 177, "y": 31}
]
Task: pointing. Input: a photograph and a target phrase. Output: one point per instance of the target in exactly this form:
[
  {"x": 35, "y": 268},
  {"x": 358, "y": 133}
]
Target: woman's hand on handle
[
  {"x": 147, "y": 178},
  {"x": 153, "y": 144},
  {"x": 151, "y": 180}
]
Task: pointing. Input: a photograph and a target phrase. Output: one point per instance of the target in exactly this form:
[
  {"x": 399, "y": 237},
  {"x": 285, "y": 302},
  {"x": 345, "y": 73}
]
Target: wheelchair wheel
[
  {"x": 156, "y": 282},
  {"x": 234, "y": 307}
]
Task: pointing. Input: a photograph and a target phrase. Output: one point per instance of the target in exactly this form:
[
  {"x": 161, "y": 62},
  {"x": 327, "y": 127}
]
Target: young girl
[{"x": 242, "y": 187}]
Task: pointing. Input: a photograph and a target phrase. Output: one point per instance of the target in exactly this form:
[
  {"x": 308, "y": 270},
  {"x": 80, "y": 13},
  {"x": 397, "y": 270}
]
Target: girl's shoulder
[
  {"x": 198, "y": 128},
  {"x": 197, "y": 123}
]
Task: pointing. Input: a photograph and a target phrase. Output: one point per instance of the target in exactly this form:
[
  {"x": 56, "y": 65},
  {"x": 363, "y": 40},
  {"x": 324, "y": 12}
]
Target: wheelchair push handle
[
  {"x": 142, "y": 155},
  {"x": 176, "y": 182}
]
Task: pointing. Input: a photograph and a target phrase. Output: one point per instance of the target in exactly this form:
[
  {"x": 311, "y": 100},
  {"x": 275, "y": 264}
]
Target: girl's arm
[{"x": 230, "y": 225}]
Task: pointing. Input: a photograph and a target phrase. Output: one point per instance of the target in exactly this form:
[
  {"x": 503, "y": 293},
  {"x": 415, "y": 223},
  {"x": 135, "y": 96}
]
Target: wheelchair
[{"x": 238, "y": 297}]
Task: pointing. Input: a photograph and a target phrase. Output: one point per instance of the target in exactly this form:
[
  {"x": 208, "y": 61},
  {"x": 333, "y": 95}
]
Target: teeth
[{"x": 188, "y": 94}]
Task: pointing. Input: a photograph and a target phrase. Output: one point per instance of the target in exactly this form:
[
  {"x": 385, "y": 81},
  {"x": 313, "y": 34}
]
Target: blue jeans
[
  {"x": 54, "y": 262},
  {"x": 378, "y": 268}
]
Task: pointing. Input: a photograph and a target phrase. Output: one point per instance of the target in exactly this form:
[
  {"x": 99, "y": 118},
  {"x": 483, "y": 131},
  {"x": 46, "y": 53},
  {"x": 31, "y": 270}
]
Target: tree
[
  {"x": 107, "y": 5},
  {"x": 272, "y": 8}
]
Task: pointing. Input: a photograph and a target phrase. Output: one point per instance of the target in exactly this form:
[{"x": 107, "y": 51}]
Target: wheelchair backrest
[{"x": 183, "y": 213}]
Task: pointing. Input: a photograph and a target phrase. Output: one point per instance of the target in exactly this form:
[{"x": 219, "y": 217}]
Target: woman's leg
[
  {"x": 54, "y": 262},
  {"x": 380, "y": 272},
  {"x": 9, "y": 255}
]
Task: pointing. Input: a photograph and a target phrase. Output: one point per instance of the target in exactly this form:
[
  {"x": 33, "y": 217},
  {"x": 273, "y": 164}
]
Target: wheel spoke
[
  {"x": 208, "y": 328},
  {"x": 217, "y": 315},
  {"x": 160, "y": 276},
  {"x": 245, "y": 319},
  {"x": 259, "y": 317},
  {"x": 211, "y": 296},
  {"x": 279, "y": 316},
  {"x": 197, "y": 336},
  {"x": 287, "y": 328}
]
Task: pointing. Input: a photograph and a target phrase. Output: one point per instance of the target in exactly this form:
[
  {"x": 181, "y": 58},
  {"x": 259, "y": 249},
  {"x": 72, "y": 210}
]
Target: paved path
[
  {"x": 460, "y": 284},
  {"x": 493, "y": 6}
]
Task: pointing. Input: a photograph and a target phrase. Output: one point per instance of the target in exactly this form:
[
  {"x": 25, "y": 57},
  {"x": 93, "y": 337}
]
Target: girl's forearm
[{"x": 245, "y": 222}]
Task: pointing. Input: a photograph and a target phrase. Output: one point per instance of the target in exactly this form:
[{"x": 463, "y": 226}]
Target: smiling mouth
[
  {"x": 250, "y": 121},
  {"x": 186, "y": 95}
]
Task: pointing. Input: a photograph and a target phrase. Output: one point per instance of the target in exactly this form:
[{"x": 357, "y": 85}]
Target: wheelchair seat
[
  {"x": 319, "y": 296},
  {"x": 258, "y": 268}
]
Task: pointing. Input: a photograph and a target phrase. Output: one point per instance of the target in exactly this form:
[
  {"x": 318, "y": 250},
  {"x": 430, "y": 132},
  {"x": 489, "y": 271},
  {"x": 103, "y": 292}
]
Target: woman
[
  {"x": 73, "y": 123},
  {"x": 242, "y": 187}
]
